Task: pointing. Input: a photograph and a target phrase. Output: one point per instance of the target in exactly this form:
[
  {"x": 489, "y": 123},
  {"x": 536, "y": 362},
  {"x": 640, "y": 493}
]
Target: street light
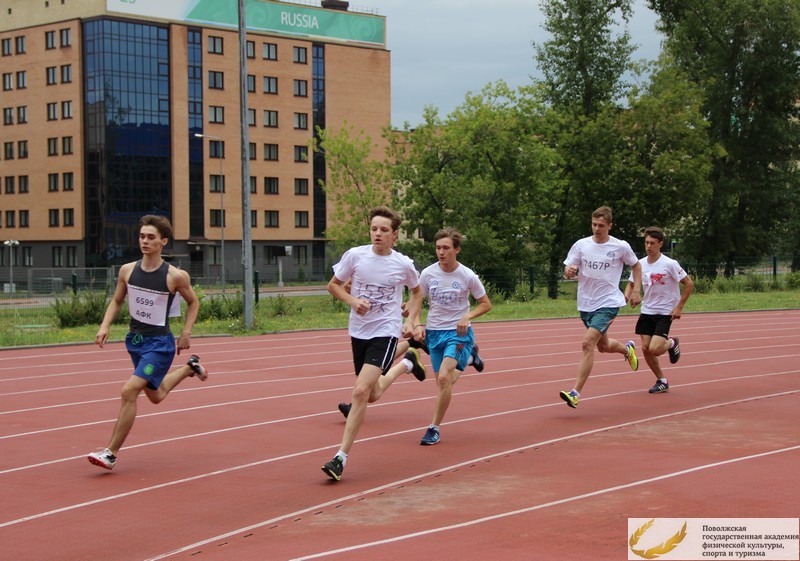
[
  {"x": 221, "y": 204},
  {"x": 11, "y": 245}
]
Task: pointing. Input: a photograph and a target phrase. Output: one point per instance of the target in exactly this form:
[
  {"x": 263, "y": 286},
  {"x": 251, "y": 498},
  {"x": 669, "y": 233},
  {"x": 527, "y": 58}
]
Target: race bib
[{"x": 148, "y": 306}]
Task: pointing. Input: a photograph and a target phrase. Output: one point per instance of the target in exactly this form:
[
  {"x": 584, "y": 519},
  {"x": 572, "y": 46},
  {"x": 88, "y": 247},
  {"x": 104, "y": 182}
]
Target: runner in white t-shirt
[
  {"x": 597, "y": 262},
  {"x": 663, "y": 302},
  {"x": 448, "y": 332},
  {"x": 378, "y": 274}
]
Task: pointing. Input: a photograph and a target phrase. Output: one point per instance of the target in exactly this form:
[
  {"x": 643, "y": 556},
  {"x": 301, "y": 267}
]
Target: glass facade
[
  {"x": 127, "y": 140},
  {"x": 195, "y": 62},
  {"x": 318, "y": 107}
]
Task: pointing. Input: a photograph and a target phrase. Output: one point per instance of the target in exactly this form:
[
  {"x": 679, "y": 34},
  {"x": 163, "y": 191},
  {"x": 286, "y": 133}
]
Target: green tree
[
  {"x": 745, "y": 54},
  {"x": 356, "y": 183},
  {"x": 483, "y": 171}
]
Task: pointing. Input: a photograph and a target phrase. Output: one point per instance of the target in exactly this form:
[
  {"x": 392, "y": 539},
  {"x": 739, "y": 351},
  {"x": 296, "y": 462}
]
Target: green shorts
[{"x": 600, "y": 319}]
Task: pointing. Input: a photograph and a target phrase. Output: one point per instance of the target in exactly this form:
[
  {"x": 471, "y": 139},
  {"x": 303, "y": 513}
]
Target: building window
[
  {"x": 11, "y": 219},
  {"x": 250, "y": 49},
  {"x": 251, "y": 150},
  {"x": 271, "y": 152},
  {"x": 301, "y": 186},
  {"x": 10, "y": 182},
  {"x": 52, "y": 182},
  {"x": 50, "y": 72},
  {"x": 20, "y": 44},
  {"x": 8, "y": 116},
  {"x": 66, "y": 110},
  {"x": 254, "y": 219},
  {"x": 8, "y": 150},
  {"x": 216, "y": 80},
  {"x": 22, "y": 114},
  {"x": 300, "y": 55},
  {"x": 253, "y": 184},
  {"x": 8, "y": 81},
  {"x": 23, "y": 184},
  {"x": 216, "y": 218},
  {"x": 270, "y": 118},
  {"x": 301, "y": 153},
  {"x": 270, "y": 218},
  {"x": 301, "y": 121},
  {"x": 72, "y": 256},
  {"x": 66, "y": 73},
  {"x": 53, "y": 215},
  {"x": 6, "y": 47},
  {"x": 27, "y": 256},
  {"x": 300, "y": 254},
  {"x": 215, "y": 45},
  {"x": 58, "y": 258},
  {"x": 67, "y": 181},
  {"x": 66, "y": 37},
  {"x": 22, "y": 149},
  {"x": 301, "y": 219},
  {"x": 270, "y": 185},
  {"x": 216, "y": 114},
  {"x": 216, "y": 148},
  {"x": 251, "y": 117},
  {"x": 216, "y": 183},
  {"x": 66, "y": 145},
  {"x": 24, "y": 219},
  {"x": 251, "y": 83},
  {"x": 269, "y": 51},
  {"x": 270, "y": 85},
  {"x": 22, "y": 79},
  {"x": 52, "y": 146},
  {"x": 52, "y": 111},
  {"x": 49, "y": 40},
  {"x": 69, "y": 217},
  {"x": 301, "y": 88}
]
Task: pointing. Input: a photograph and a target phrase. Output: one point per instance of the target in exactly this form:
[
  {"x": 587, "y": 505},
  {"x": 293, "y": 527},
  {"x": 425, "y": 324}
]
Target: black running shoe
[
  {"x": 659, "y": 387},
  {"x": 344, "y": 408},
  {"x": 477, "y": 361},
  {"x": 674, "y": 352},
  {"x": 417, "y": 368},
  {"x": 334, "y": 468},
  {"x": 197, "y": 368},
  {"x": 414, "y": 344}
]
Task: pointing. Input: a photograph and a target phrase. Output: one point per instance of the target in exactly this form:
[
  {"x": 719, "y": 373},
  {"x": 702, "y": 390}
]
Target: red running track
[{"x": 230, "y": 468}]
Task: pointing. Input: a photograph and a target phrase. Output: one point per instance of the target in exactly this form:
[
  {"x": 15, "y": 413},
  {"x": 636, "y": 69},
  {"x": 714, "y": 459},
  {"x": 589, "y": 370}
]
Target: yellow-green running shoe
[
  {"x": 571, "y": 397},
  {"x": 631, "y": 358}
]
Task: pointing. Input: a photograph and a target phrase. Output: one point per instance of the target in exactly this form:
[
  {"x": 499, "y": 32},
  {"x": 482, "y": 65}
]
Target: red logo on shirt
[{"x": 658, "y": 278}]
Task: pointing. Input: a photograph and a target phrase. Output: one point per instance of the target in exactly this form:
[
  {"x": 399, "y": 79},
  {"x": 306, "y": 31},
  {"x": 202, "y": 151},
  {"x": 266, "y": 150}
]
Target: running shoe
[
  {"x": 631, "y": 358},
  {"x": 477, "y": 361},
  {"x": 417, "y": 368},
  {"x": 414, "y": 344},
  {"x": 197, "y": 368},
  {"x": 344, "y": 408},
  {"x": 431, "y": 437},
  {"x": 104, "y": 459},
  {"x": 334, "y": 468},
  {"x": 674, "y": 352},
  {"x": 571, "y": 397},
  {"x": 659, "y": 387}
]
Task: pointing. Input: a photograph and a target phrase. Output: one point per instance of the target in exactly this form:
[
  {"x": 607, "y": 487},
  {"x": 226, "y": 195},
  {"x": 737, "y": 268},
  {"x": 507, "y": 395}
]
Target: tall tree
[
  {"x": 745, "y": 54},
  {"x": 583, "y": 64}
]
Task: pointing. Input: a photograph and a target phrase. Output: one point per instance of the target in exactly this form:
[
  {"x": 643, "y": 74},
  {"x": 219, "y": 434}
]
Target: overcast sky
[{"x": 442, "y": 49}]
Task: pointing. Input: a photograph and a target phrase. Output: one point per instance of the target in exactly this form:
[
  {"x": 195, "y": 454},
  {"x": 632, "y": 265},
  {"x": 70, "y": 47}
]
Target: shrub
[
  {"x": 703, "y": 285},
  {"x": 83, "y": 308},
  {"x": 753, "y": 283},
  {"x": 280, "y": 305},
  {"x": 793, "y": 280},
  {"x": 222, "y": 307}
]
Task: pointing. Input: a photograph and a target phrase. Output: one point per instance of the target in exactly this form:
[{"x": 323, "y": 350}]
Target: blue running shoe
[
  {"x": 659, "y": 387},
  {"x": 674, "y": 352},
  {"x": 344, "y": 409},
  {"x": 431, "y": 437},
  {"x": 477, "y": 361}
]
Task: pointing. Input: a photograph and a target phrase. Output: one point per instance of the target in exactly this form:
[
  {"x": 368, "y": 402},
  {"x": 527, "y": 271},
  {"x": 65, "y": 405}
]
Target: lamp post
[
  {"x": 11, "y": 245},
  {"x": 222, "y": 207}
]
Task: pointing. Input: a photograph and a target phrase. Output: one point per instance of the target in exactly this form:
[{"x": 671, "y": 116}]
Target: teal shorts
[
  {"x": 600, "y": 319},
  {"x": 447, "y": 342}
]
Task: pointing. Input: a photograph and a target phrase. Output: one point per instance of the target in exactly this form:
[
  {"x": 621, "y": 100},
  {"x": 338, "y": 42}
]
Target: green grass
[{"x": 23, "y": 327}]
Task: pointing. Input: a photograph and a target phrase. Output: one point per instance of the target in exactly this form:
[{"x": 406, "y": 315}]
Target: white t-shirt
[
  {"x": 600, "y": 271},
  {"x": 448, "y": 294},
  {"x": 660, "y": 282},
  {"x": 379, "y": 279}
]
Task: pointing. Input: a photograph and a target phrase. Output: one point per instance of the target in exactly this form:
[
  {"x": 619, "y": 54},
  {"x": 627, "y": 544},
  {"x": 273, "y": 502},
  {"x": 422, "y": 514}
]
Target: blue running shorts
[
  {"x": 447, "y": 342},
  {"x": 152, "y": 356}
]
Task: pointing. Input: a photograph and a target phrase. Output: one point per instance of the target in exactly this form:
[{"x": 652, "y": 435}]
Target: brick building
[{"x": 117, "y": 108}]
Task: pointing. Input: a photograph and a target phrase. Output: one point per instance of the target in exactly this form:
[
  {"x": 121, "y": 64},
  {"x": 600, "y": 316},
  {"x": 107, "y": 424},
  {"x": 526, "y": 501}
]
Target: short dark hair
[
  {"x": 654, "y": 232},
  {"x": 451, "y": 233},
  {"x": 604, "y": 212},
  {"x": 160, "y": 223},
  {"x": 386, "y": 212}
]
